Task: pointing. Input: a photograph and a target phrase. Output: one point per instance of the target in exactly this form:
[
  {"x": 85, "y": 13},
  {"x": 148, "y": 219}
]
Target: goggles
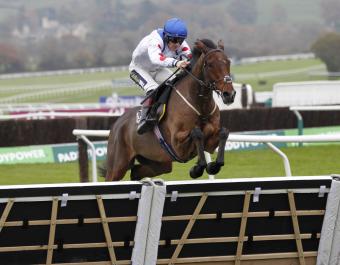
[{"x": 176, "y": 39}]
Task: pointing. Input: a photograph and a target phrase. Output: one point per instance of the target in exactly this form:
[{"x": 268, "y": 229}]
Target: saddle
[{"x": 161, "y": 96}]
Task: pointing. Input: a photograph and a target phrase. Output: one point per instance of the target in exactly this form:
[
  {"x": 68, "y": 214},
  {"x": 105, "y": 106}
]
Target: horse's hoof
[
  {"x": 213, "y": 168},
  {"x": 196, "y": 171}
]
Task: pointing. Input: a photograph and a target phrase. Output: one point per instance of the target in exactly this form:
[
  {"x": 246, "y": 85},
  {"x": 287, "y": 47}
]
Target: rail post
[{"x": 83, "y": 161}]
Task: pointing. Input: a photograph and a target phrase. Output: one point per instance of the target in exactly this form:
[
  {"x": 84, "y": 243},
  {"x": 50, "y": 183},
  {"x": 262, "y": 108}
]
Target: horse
[{"x": 190, "y": 125}]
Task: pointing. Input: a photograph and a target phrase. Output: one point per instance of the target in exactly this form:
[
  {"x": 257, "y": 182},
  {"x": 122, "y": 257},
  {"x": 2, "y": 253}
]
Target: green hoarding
[
  {"x": 63, "y": 153},
  {"x": 26, "y": 154},
  {"x": 240, "y": 146},
  {"x": 69, "y": 152}
]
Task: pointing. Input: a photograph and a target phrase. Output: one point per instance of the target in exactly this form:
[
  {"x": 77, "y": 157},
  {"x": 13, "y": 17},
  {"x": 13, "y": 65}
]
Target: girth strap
[{"x": 166, "y": 146}]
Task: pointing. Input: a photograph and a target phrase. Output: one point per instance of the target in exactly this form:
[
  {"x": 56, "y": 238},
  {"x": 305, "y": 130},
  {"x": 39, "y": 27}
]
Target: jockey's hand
[{"x": 182, "y": 64}]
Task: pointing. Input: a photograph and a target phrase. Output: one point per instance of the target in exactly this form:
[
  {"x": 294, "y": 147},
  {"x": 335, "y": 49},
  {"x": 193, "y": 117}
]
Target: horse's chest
[{"x": 185, "y": 141}]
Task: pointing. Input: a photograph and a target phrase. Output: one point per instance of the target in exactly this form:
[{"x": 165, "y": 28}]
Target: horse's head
[{"x": 216, "y": 69}]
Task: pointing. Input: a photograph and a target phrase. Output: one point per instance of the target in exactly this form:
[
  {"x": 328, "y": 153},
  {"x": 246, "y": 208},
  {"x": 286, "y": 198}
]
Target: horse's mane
[{"x": 196, "y": 53}]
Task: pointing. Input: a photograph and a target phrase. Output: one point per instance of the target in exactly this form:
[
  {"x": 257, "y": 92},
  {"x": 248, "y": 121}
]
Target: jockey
[{"x": 162, "y": 49}]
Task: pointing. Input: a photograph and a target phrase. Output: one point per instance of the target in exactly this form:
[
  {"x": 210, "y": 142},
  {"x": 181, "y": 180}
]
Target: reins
[
  {"x": 155, "y": 90},
  {"x": 210, "y": 86},
  {"x": 199, "y": 80}
]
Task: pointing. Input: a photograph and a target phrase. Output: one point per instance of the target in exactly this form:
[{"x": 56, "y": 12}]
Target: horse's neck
[{"x": 199, "y": 96}]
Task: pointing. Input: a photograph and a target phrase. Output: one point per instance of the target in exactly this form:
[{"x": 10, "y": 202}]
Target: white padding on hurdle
[
  {"x": 142, "y": 226},
  {"x": 328, "y": 252},
  {"x": 335, "y": 252},
  {"x": 155, "y": 224}
]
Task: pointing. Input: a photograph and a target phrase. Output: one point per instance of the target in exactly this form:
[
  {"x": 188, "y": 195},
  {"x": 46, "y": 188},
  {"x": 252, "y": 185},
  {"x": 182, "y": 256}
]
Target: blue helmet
[{"x": 175, "y": 28}]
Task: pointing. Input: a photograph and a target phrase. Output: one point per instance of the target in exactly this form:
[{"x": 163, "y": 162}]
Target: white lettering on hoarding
[
  {"x": 68, "y": 157},
  {"x": 73, "y": 155},
  {"x": 240, "y": 145},
  {"x": 19, "y": 156},
  {"x": 100, "y": 152}
]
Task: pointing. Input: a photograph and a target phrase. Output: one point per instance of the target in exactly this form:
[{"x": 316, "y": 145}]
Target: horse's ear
[
  {"x": 201, "y": 46},
  {"x": 220, "y": 45}
]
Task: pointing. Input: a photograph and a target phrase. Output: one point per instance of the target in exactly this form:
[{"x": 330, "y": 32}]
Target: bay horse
[{"x": 190, "y": 125}]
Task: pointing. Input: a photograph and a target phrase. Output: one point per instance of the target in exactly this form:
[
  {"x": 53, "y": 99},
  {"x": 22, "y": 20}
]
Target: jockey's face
[{"x": 173, "y": 46}]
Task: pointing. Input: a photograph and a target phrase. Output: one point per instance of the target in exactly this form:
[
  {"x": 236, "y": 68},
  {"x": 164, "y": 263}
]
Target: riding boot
[{"x": 147, "y": 119}]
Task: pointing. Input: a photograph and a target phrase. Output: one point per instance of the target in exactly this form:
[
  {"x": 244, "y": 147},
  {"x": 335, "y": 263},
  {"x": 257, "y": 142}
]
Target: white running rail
[
  {"x": 266, "y": 139},
  {"x": 53, "y": 114}
]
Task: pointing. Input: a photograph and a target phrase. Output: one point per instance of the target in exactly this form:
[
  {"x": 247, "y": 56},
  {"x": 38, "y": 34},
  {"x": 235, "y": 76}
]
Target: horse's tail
[{"x": 102, "y": 169}]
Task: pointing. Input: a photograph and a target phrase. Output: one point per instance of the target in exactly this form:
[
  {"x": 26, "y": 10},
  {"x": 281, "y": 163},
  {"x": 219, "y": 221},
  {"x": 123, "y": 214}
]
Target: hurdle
[{"x": 283, "y": 220}]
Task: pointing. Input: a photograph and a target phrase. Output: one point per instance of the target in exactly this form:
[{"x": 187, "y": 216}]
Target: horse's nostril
[
  {"x": 226, "y": 94},
  {"x": 228, "y": 97}
]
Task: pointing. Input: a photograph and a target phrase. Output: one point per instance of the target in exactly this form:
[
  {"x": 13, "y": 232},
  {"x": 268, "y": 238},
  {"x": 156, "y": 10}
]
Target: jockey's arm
[
  {"x": 158, "y": 58},
  {"x": 185, "y": 52},
  {"x": 185, "y": 55}
]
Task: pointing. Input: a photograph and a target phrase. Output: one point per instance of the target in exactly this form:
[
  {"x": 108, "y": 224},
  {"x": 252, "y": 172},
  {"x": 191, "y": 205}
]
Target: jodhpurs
[{"x": 149, "y": 80}]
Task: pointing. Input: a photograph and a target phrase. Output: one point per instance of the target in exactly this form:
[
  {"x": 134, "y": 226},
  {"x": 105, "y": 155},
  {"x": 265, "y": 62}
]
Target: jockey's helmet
[{"x": 175, "y": 30}]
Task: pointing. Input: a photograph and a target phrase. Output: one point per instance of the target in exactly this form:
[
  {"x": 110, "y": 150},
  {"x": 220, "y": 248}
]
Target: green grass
[
  {"x": 306, "y": 161},
  {"x": 63, "y": 79},
  {"x": 261, "y": 67},
  {"x": 262, "y": 76},
  {"x": 254, "y": 74}
]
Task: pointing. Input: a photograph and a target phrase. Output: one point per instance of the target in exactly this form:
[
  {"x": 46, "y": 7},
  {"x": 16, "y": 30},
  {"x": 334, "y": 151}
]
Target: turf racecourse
[
  {"x": 305, "y": 161},
  {"x": 261, "y": 76}
]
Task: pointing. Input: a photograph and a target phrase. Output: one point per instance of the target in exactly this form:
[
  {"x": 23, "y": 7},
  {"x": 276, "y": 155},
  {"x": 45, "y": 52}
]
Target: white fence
[
  {"x": 306, "y": 93},
  {"x": 64, "y": 72},
  {"x": 54, "y": 114},
  {"x": 267, "y": 139},
  {"x": 238, "y": 97},
  {"x": 269, "y": 58},
  {"x": 36, "y": 94}
]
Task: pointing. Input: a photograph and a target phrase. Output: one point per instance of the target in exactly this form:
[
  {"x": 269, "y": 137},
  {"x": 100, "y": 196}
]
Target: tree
[
  {"x": 327, "y": 49},
  {"x": 10, "y": 59},
  {"x": 83, "y": 59},
  {"x": 53, "y": 56}
]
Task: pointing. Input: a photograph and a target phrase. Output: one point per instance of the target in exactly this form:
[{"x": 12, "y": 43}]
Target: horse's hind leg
[
  {"x": 117, "y": 168},
  {"x": 151, "y": 169},
  {"x": 214, "y": 167},
  {"x": 197, "y": 170}
]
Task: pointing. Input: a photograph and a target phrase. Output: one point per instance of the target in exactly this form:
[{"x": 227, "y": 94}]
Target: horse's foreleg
[
  {"x": 197, "y": 170},
  {"x": 214, "y": 167},
  {"x": 224, "y": 134},
  {"x": 118, "y": 170}
]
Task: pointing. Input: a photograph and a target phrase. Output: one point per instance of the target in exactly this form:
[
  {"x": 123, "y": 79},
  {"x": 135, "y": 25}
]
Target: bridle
[
  {"x": 206, "y": 86},
  {"x": 211, "y": 85}
]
